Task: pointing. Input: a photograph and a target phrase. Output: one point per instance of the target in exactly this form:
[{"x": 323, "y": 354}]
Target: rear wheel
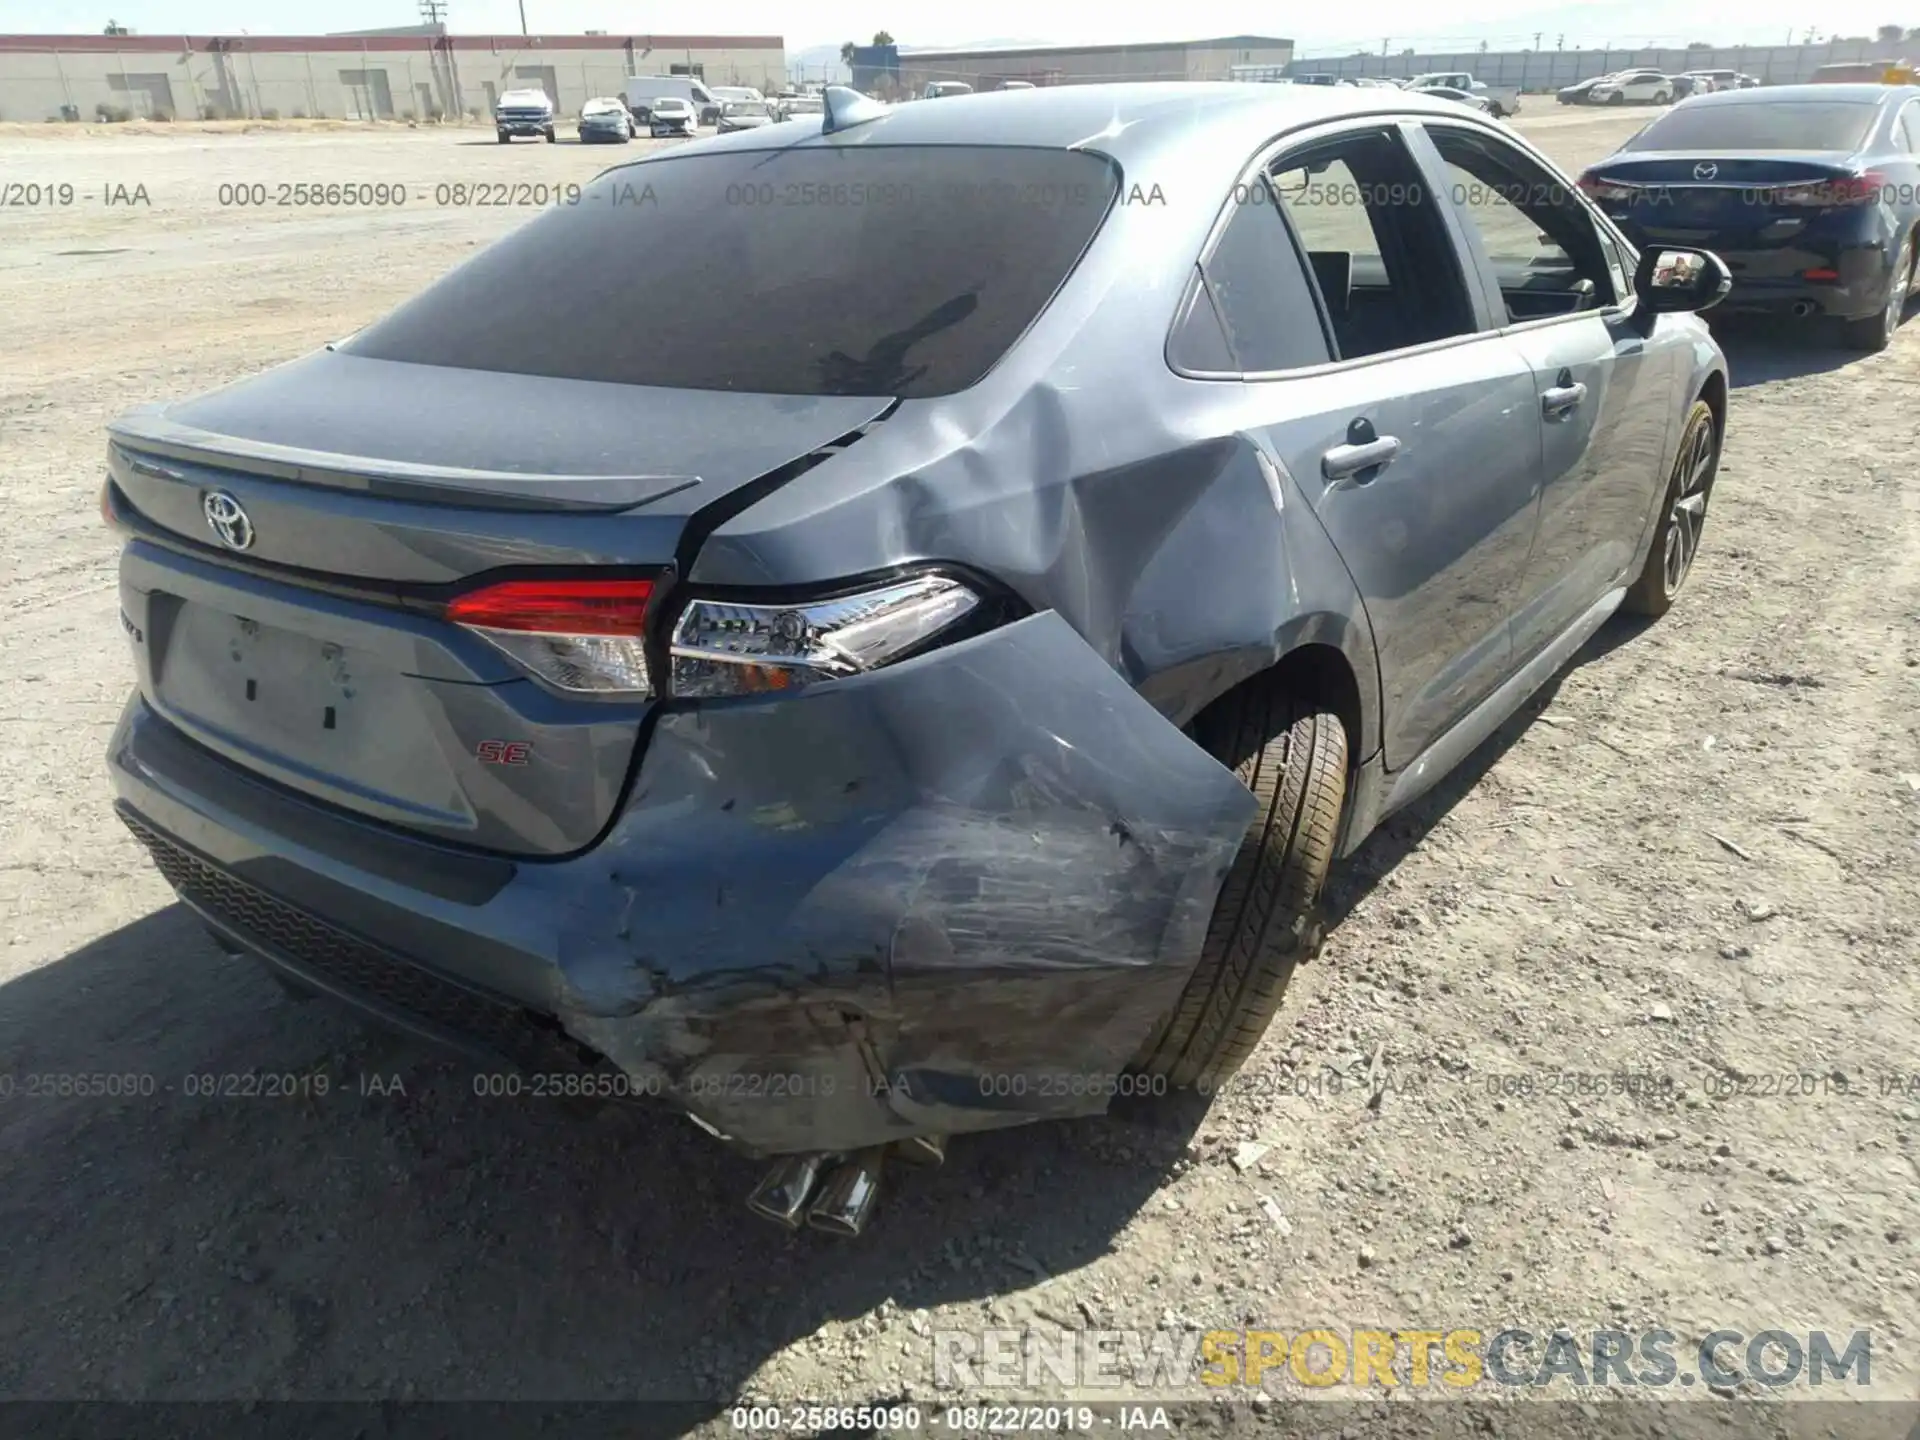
[
  {"x": 550, "y": 136},
  {"x": 1683, "y": 516},
  {"x": 1663, "y": 98},
  {"x": 1293, "y": 756},
  {"x": 1875, "y": 332}
]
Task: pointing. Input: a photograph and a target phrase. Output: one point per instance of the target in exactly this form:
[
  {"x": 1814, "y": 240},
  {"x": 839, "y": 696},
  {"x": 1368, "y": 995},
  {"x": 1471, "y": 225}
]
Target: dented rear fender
[{"x": 952, "y": 895}]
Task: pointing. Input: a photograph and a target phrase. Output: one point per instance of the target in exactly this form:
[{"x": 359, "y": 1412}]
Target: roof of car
[
  {"x": 1126, "y": 121},
  {"x": 1861, "y": 94}
]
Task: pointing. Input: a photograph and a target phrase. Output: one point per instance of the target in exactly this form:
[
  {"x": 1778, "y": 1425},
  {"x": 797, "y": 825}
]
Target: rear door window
[
  {"x": 864, "y": 270},
  {"x": 1376, "y": 247}
]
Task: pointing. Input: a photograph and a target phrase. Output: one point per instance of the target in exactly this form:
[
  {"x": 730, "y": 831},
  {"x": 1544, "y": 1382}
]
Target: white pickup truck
[{"x": 1501, "y": 99}]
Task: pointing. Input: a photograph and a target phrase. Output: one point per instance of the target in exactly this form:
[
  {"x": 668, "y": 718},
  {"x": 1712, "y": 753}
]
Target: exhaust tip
[
  {"x": 1802, "y": 308},
  {"x": 847, "y": 1197},
  {"x": 783, "y": 1192}
]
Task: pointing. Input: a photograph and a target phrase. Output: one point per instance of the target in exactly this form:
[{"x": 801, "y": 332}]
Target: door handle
[
  {"x": 1343, "y": 461},
  {"x": 1558, "y": 400}
]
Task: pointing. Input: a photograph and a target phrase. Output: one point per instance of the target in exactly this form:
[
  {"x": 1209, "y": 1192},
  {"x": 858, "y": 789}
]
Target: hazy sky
[{"x": 1329, "y": 29}]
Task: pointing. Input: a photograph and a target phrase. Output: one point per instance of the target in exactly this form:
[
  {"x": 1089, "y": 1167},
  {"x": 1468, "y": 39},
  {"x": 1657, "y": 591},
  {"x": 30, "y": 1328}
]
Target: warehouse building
[
  {"x": 418, "y": 74},
  {"x": 1090, "y": 64}
]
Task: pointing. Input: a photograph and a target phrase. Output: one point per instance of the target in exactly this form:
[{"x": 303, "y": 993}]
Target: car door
[
  {"x": 1410, "y": 426},
  {"x": 1560, "y": 292}
]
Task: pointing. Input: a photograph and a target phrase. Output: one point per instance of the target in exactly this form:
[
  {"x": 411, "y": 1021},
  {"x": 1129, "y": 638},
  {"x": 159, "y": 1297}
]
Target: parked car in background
[
  {"x": 1501, "y": 99},
  {"x": 943, "y": 89},
  {"x": 793, "y": 106},
  {"x": 1580, "y": 91},
  {"x": 1728, "y": 79},
  {"x": 1016, "y": 85},
  {"x": 523, "y": 112},
  {"x": 1316, "y": 79},
  {"x": 670, "y": 115},
  {"x": 605, "y": 121},
  {"x": 722, "y": 95},
  {"x": 562, "y": 668},
  {"x": 737, "y": 115},
  {"x": 1482, "y": 103},
  {"x": 640, "y": 91},
  {"x": 1810, "y": 193},
  {"x": 1634, "y": 87}
]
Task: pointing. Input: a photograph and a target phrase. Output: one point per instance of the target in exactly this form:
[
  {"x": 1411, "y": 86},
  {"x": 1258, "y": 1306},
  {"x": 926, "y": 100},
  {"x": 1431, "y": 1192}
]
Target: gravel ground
[{"x": 1693, "y": 860}]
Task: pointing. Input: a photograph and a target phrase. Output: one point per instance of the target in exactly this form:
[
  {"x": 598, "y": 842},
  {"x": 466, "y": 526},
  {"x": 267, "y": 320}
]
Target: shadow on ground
[
  {"x": 402, "y": 1236},
  {"x": 1760, "y": 349}
]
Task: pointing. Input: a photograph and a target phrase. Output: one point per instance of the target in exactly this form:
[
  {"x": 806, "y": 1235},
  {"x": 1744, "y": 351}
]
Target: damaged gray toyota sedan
[{"x": 904, "y": 665}]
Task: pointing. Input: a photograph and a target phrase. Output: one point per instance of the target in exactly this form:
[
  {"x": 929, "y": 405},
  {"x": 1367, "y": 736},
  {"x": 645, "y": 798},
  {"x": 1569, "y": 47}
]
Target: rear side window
[
  {"x": 866, "y": 270},
  {"x": 1761, "y": 125},
  {"x": 1259, "y": 290}
]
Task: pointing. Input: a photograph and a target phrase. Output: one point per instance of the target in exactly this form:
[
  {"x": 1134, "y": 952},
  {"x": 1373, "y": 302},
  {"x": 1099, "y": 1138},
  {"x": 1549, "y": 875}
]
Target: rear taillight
[
  {"x": 725, "y": 647},
  {"x": 1846, "y": 190},
  {"x": 586, "y": 636},
  {"x": 1597, "y": 188}
]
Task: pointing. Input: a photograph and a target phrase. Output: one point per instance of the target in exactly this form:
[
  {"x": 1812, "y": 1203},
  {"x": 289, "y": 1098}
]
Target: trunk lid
[
  {"x": 1724, "y": 199},
  {"x": 371, "y": 490}
]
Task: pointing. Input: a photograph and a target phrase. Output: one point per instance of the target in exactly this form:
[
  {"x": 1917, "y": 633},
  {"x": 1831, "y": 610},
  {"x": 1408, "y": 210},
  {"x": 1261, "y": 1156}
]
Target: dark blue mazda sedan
[{"x": 1810, "y": 193}]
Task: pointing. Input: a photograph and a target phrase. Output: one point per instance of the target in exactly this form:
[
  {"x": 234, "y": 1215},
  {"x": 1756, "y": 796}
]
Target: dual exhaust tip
[{"x": 829, "y": 1192}]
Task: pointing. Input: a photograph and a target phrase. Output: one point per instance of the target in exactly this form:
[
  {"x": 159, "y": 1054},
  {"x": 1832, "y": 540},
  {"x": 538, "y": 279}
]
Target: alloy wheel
[{"x": 1689, "y": 513}]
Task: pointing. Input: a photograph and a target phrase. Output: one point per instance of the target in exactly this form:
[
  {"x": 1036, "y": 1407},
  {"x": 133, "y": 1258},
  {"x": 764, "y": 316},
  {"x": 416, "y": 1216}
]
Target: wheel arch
[{"x": 1323, "y": 658}]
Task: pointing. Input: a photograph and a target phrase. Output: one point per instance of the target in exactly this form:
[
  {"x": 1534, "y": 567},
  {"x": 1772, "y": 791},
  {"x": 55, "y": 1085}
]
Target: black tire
[
  {"x": 1293, "y": 756},
  {"x": 1695, "y": 464},
  {"x": 505, "y": 139},
  {"x": 551, "y": 138},
  {"x": 1874, "y": 333}
]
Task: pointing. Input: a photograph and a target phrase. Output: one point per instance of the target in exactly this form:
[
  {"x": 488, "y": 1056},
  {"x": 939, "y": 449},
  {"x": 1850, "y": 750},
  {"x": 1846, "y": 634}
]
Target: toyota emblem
[
  {"x": 1706, "y": 170},
  {"x": 227, "y": 520}
]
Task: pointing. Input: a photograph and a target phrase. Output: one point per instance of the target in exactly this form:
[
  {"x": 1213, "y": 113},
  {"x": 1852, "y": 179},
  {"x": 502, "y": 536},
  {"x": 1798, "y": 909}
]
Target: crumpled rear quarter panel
[{"x": 952, "y": 895}]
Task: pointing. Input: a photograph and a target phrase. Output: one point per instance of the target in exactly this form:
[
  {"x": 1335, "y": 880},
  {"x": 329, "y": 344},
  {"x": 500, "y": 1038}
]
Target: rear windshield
[
  {"x": 1770, "y": 125},
  {"x": 883, "y": 270}
]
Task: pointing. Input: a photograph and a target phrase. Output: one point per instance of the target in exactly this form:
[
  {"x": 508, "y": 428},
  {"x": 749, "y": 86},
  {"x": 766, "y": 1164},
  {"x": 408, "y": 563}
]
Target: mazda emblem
[
  {"x": 1706, "y": 170},
  {"x": 227, "y": 520}
]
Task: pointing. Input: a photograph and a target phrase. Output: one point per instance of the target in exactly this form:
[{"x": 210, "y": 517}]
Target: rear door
[
  {"x": 1410, "y": 427},
  {"x": 1604, "y": 400}
]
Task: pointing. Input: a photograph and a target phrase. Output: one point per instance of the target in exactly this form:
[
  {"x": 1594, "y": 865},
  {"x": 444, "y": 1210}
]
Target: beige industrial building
[
  {"x": 407, "y": 75},
  {"x": 1090, "y": 64}
]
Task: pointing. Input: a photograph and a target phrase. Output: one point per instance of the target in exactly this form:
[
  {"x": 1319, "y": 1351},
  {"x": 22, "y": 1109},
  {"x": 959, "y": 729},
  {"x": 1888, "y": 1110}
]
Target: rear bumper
[
  {"x": 1772, "y": 278},
  {"x": 955, "y": 895},
  {"x": 1758, "y": 286}
]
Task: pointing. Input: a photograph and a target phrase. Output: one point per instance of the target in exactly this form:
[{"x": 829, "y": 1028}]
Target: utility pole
[
  {"x": 1561, "y": 43},
  {"x": 1536, "y": 38},
  {"x": 523, "y": 17},
  {"x": 1385, "y": 40},
  {"x": 433, "y": 11}
]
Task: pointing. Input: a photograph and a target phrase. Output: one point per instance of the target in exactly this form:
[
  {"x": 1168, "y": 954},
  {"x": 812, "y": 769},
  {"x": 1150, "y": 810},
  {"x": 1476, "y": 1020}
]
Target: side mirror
[{"x": 1676, "y": 281}]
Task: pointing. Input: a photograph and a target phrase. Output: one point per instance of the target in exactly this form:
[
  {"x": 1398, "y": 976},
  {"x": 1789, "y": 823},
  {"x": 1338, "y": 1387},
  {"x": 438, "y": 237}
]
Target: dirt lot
[{"x": 1695, "y": 858}]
